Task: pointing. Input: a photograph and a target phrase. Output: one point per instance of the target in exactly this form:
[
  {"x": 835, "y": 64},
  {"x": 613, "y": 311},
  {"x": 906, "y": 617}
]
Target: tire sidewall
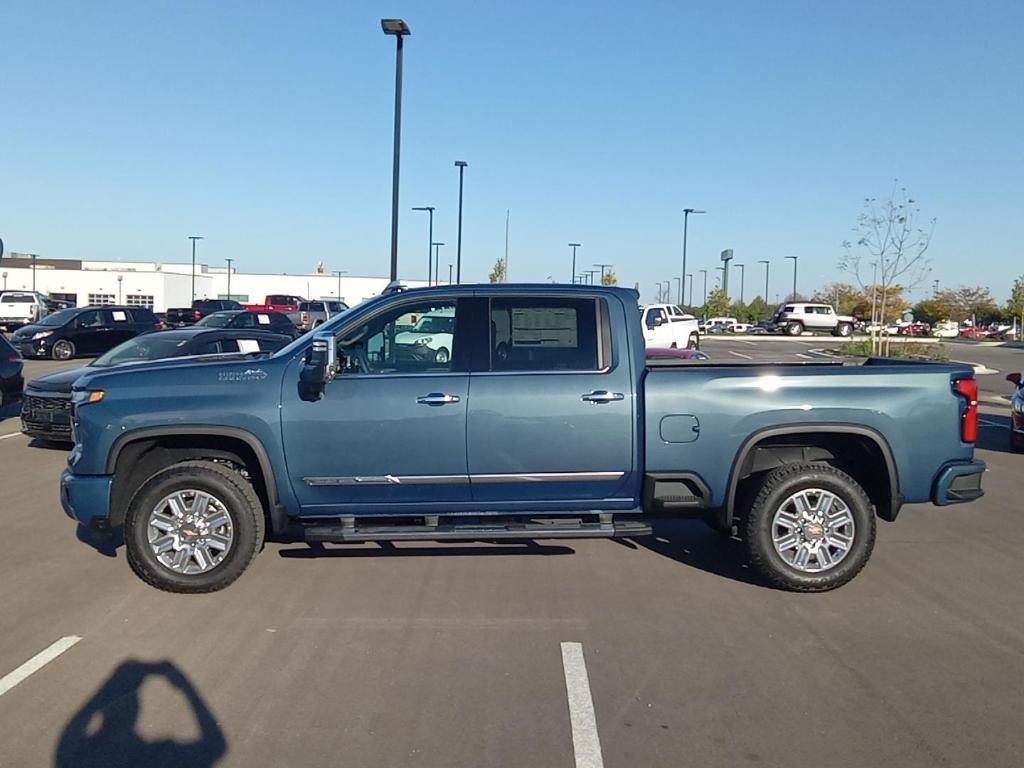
[
  {"x": 64, "y": 343},
  {"x": 176, "y": 478},
  {"x": 759, "y": 528},
  {"x": 795, "y": 329}
]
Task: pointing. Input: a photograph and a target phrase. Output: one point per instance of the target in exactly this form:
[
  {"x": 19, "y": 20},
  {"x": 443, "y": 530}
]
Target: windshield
[
  {"x": 149, "y": 347},
  {"x": 58, "y": 318},
  {"x": 435, "y": 324},
  {"x": 216, "y": 320}
]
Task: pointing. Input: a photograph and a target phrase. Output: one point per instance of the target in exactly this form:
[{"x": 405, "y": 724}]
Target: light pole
[
  {"x": 705, "y": 273},
  {"x": 119, "y": 279},
  {"x": 229, "y": 277},
  {"x": 33, "y": 272},
  {"x": 690, "y": 302},
  {"x": 193, "y": 238},
  {"x": 668, "y": 291},
  {"x": 574, "y": 246},
  {"x": 5, "y": 281},
  {"x": 679, "y": 290},
  {"x": 399, "y": 29},
  {"x": 590, "y": 275},
  {"x": 766, "y": 266},
  {"x": 461, "y": 165},
  {"x": 430, "y": 234},
  {"x": 338, "y": 273},
  {"x": 449, "y": 274},
  {"x": 743, "y": 275},
  {"x": 437, "y": 264},
  {"x": 602, "y": 267},
  {"x": 686, "y": 221},
  {"x": 795, "y": 259}
]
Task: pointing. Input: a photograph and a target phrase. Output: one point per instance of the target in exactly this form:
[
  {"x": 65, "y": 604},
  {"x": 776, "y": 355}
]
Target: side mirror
[
  {"x": 1014, "y": 378},
  {"x": 655, "y": 322},
  {"x": 319, "y": 368}
]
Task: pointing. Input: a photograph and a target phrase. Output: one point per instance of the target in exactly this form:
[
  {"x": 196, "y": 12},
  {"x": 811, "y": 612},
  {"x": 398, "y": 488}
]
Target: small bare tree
[{"x": 889, "y": 250}]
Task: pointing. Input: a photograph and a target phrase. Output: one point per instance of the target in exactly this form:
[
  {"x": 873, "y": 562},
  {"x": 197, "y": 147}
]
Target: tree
[
  {"x": 1015, "y": 306},
  {"x": 933, "y": 310},
  {"x": 757, "y": 309},
  {"x": 851, "y": 299},
  {"x": 717, "y": 304},
  {"x": 889, "y": 249},
  {"x": 974, "y": 303},
  {"x": 609, "y": 278},
  {"x": 498, "y": 273}
]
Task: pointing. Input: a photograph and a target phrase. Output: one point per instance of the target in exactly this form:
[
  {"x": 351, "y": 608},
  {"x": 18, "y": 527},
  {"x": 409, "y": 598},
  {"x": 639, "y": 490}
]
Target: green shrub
[{"x": 895, "y": 348}]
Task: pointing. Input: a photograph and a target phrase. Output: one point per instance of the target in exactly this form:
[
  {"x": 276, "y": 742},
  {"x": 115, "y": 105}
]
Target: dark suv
[
  {"x": 84, "y": 331},
  {"x": 178, "y": 317},
  {"x": 11, "y": 365}
]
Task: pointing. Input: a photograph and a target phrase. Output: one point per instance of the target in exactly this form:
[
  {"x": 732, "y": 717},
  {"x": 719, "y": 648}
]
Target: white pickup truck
[
  {"x": 666, "y": 325},
  {"x": 18, "y": 308}
]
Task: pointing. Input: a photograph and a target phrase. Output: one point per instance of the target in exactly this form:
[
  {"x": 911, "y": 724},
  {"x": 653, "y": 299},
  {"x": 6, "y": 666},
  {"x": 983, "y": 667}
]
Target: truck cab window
[
  {"x": 542, "y": 334},
  {"x": 418, "y": 338}
]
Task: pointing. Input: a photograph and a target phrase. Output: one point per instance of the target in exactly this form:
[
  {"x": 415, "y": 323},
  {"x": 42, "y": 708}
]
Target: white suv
[
  {"x": 18, "y": 308},
  {"x": 794, "y": 319},
  {"x": 666, "y": 325}
]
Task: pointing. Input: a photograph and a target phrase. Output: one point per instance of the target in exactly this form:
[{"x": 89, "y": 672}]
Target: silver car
[{"x": 314, "y": 313}]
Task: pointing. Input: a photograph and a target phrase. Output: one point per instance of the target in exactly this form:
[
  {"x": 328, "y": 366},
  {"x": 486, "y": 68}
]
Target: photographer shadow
[{"x": 104, "y": 732}]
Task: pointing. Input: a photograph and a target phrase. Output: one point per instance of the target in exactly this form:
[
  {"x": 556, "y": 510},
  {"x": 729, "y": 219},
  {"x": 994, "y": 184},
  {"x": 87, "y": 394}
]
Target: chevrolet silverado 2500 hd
[{"x": 541, "y": 420}]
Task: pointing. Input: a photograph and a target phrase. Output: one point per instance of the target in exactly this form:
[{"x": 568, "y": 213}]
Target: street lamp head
[
  {"x": 424, "y": 208},
  {"x": 394, "y": 27},
  {"x": 763, "y": 261},
  {"x": 694, "y": 210},
  {"x": 461, "y": 163},
  {"x": 437, "y": 243},
  {"x": 575, "y": 245},
  {"x": 195, "y": 237},
  {"x": 794, "y": 258}
]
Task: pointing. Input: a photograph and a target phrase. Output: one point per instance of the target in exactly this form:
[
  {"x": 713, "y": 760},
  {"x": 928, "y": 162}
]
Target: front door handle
[
  {"x": 602, "y": 396},
  {"x": 437, "y": 398}
]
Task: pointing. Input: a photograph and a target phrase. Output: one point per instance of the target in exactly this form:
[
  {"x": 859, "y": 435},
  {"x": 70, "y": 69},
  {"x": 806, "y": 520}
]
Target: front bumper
[
  {"x": 29, "y": 348},
  {"x": 86, "y": 498},
  {"x": 958, "y": 483}
]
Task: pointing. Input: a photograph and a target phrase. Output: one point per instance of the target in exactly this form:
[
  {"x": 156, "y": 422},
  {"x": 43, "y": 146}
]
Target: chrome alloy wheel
[
  {"x": 190, "y": 531},
  {"x": 813, "y": 530}
]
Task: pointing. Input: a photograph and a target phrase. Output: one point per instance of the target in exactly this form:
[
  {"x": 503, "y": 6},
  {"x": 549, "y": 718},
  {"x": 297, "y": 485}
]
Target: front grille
[
  {"x": 49, "y": 415},
  {"x": 57, "y": 404}
]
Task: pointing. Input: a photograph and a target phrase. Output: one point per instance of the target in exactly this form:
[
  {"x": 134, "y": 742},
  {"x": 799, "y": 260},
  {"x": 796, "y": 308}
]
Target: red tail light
[
  {"x": 13, "y": 359},
  {"x": 968, "y": 389},
  {"x": 198, "y": 315}
]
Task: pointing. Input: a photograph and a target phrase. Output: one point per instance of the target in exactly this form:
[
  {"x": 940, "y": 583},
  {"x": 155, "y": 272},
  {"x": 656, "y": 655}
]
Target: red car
[
  {"x": 914, "y": 329},
  {"x": 974, "y": 333}
]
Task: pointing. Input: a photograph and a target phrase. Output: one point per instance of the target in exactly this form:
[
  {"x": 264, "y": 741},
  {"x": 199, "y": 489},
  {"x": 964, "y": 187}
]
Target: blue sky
[{"x": 266, "y": 127}]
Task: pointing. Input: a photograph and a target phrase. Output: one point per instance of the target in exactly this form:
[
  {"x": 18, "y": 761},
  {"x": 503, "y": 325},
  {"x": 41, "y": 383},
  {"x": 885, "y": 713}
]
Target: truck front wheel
[
  {"x": 810, "y": 528},
  {"x": 193, "y": 527}
]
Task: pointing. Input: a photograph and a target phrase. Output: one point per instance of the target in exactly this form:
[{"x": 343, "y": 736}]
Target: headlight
[
  {"x": 82, "y": 397},
  {"x": 42, "y": 335},
  {"x": 424, "y": 340}
]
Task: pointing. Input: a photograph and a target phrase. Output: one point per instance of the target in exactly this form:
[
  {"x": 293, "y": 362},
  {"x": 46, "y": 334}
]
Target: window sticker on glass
[
  {"x": 248, "y": 345},
  {"x": 544, "y": 327},
  {"x": 263, "y": 319},
  {"x": 119, "y": 317}
]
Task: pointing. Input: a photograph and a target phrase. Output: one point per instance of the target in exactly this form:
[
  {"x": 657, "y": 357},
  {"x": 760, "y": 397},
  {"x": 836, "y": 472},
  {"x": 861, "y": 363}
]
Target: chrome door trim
[
  {"x": 514, "y": 477},
  {"x": 546, "y": 477}
]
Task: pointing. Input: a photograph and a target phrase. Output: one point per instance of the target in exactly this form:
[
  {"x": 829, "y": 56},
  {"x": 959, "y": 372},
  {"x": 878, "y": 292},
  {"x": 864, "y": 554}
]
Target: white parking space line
[
  {"x": 740, "y": 354},
  {"x": 36, "y": 663},
  {"x": 8, "y": 437},
  {"x": 805, "y": 356},
  {"x": 586, "y": 745},
  {"x": 990, "y": 423},
  {"x": 751, "y": 343}
]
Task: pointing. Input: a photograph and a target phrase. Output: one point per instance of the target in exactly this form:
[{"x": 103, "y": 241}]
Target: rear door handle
[
  {"x": 602, "y": 396},
  {"x": 437, "y": 398}
]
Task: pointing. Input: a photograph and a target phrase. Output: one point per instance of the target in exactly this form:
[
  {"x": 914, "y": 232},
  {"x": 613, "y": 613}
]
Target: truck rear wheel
[
  {"x": 795, "y": 328},
  {"x": 810, "y": 528},
  {"x": 193, "y": 527}
]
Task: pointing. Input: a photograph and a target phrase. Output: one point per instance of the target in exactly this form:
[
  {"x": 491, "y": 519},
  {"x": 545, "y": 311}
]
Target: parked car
[
  {"x": 762, "y": 327},
  {"x": 20, "y": 308},
  {"x": 82, "y": 331},
  {"x": 666, "y": 325},
  {"x": 284, "y": 303},
  {"x": 430, "y": 338},
  {"x": 568, "y": 432},
  {"x": 740, "y": 328},
  {"x": 726, "y": 321},
  {"x": 947, "y": 329},
  {"x": 913, "y": 329},
  {"x": 243, "y": 318},
  {"x": 178, "y": 317},
  {"x": 11, "y": 366},
  {"x": 798, "y": 317},
  {"x": 1016, "y": 412},
  {"x": 46, "y": 410},
  {"x": 974, "y": 332},
  {"x": 315, "y": 313},
  {"x": 674, "y": 353}
]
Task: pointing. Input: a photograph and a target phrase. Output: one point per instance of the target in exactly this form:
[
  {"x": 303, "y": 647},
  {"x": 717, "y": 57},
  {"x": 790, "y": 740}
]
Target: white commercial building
[{"x": 161, "y": 285}]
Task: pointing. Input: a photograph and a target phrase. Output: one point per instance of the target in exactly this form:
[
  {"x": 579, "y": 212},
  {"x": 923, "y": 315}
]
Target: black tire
[
  {"x": 62, "y": 350},
  {"x": 795, "y": 328},
  {"x": 240, "y": 502},
  {"x": 757, "y": 524},
  {"x": 693, "y": 342},
  {"x": 1016, "y": 443},
  {"x": 844, "y": 330},
  {"x": 442, "y": 356}
]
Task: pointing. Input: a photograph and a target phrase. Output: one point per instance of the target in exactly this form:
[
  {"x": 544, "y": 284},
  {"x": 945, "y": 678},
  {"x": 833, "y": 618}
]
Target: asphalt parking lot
[{"x": 450, "y": 655}]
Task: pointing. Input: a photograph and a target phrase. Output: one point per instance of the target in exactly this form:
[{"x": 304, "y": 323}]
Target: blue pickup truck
[{"x": 531, "y": 413}]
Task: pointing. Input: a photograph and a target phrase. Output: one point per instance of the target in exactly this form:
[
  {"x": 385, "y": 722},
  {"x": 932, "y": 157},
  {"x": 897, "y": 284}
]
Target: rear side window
[
  {"x": 541, "y": 334},
  {"x": 143, "y": 316},
  {"x": 18, "y": 298}
]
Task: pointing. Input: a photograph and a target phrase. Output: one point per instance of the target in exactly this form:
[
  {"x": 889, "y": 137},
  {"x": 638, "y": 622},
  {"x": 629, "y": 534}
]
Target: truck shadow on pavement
[
  {"x": 104, "y": 732},
  {"x": 693, "y": 543},
  {"x": 387, "y": 549},
  {"x": 993, "y": 433}
]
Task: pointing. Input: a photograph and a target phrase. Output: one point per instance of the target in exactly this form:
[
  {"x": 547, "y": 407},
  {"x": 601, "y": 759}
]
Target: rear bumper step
[{"x": 567, "y": 529}]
